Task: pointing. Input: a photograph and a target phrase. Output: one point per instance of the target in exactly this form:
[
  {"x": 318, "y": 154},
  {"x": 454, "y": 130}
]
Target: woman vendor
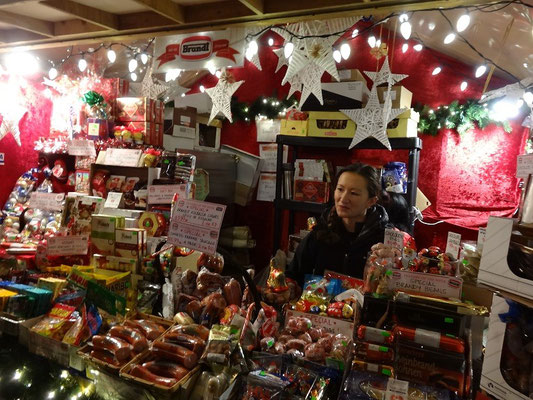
[{"x": 345, "y": 233}]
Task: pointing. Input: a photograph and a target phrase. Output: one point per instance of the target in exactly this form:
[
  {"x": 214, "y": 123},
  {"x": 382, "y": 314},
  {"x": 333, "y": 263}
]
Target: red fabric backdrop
[{"x": 466, "y": 179}]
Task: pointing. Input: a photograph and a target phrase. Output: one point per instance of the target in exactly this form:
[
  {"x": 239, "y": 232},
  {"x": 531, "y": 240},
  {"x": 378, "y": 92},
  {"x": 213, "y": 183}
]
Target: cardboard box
[
  {"x": 330, "y": 124},
  {"x": 121, "y": 264},
  {"x": 337, "y": 96},
  {"x": 181, "y": 143},
  {"x": 99, "y": 128},
  {"x": 400, "y": 96},
  {"x": 351, "y": 75},
  {"x": 158, "y": 111},
  {"x": 313, "y": 191},
  {"x": 492, "y": 379},
  {"x": 103, "y": 234},
  {"x": 185, "y": 117},
  {"x": 134, "y": 109},
  {"x": 494, "y": 269},
  {"x": 406, "y": 125},
  {"x": 207, "y": 134},
  {"x": 293, "y": 128},
  {"x": 184, "y": 132},
  {"x": 129, "y": 243},
  {"x": 248, "y": 171},
  {"x": 119, "y": 87}
]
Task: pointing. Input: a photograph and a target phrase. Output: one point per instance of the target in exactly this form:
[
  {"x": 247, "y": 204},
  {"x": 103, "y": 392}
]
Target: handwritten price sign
[{"x": 67, "y": 245}]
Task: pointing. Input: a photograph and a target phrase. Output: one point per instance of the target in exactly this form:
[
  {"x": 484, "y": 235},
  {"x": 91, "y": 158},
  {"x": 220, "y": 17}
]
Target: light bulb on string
[
  {"x": 418, "y": 47},
  {"x": 270, "y": 42},
  {"x": 132, "y": 65},
  {"x": 463, "y": 22},
  {"x": 528, "y": 98},
  {"x": 111, "y": 55},
  {"x": 144, "y": 58},
  {"x": 436, "y": 71},
  {"x": 431, "y": 26},
  {"x": 345, "y": 50},
  {"x": 406, "y": 29},
  {"x": 464, "y": 85},
  {"x": 372, "y": 41},
  {"x": 288, "y": 49},
  {"x": 337, "y": 56},
  {"x": 251, "y": 50},
  {"x": 202, "y": 88},
  {"x": 133, "y": 76},
  {"x": 211, "y": 67},
  {"x": 355, "y": 32},
  {"x": 405, "y": 47},
  {"x": 403, "y": 18},
  {"x": 52, "y": 74},
  {"x": 218, "y": 74},
  {"x": 450, "y": 37},
  {"x": 378, "y": 43},
  {"x": 504, "y": 109},
  {"x": 82, "y": 64},
  {"x": 480, "y": 71}
]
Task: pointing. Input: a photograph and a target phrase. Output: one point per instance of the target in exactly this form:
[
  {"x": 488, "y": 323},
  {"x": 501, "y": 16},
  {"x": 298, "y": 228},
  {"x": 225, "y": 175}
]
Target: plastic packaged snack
[{"x": 301, "y": 380}]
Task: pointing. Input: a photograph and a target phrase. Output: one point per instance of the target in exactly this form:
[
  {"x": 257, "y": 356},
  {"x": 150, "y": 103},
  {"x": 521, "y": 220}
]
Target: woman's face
[{"x": 351, "y": 196}]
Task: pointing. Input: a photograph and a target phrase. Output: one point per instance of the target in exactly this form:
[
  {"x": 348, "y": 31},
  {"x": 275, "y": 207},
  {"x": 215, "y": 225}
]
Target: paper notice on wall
[
  {"x": 196, "y": 225},
  {"x": 269, "y": 153},
  {"x": 123, "y": 157},
  {"x": 267, "y": 129},
  {"x": 81, "y": 147},
  {"x": 2, "y": 159},
  {"x": 47, "y": 201},
  {"x": 67, "y": 245},
  {"x": 453, "y": 244},
  {"x": 524, "y": 166},
  {"x": 266, "y": 188}
]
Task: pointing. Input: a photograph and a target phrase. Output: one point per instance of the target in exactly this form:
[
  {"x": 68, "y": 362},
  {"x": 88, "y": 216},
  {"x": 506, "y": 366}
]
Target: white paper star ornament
[
  {"x": 385, "y": 75},
  {"x": 282, "y": 60},
  {"x": 310, "y": 77},
  {"x": 149, "y": 88},
  {"x": 10, "y": 122},
  {"x": 371, "y": 121},
  {"x": 221, "y": 95}
]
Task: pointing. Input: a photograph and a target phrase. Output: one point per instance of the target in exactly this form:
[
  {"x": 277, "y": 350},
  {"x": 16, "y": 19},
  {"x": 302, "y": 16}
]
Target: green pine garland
[
  {"x": 270, "y": 107},
  {"x": 461, "y": 117}
]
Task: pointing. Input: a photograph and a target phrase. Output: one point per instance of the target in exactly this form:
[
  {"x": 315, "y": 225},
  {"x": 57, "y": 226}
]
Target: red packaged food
[
  {"x": 431, "y": 338},
  {"x": 374, "y": 335},
  {"x": 373, "y": 352}
]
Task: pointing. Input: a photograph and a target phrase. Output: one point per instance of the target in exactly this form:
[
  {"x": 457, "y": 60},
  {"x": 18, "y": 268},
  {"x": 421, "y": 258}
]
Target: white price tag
[
  {"x": 196, "y": 225},
  {"x": 524, "y": 165},
  {"x": 397, "y": 390},
  {"x": 163, "y": 194},
  {"x": 394, "y": 238},
  {"x": 123, "y": 157},
  {"x": 67, "y": 245},
  {"x": 2, "y": 158},
  {"x": 81, "y": 147},
  {"x": 47, "y": 201},
  {"x": 453, "y": 244},
  {"x": 114, "y": 200}
]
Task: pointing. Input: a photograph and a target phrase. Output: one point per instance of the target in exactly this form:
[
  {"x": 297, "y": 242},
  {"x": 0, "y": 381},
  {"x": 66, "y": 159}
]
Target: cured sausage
[
  {"x": 166, "y": 368},
  {"x": 130, "y": 335},
  {"x": 197, "y": 345},
  {"x": 142, "y": 372},
  {"x": 233, "y": 292},
  {"x": 174, "y": 352},
  {"x": 148, "y": 328},
  {"x": 104, "y": 356},
  {"x": 120, "y": 348},
  {"x": 194, "y": 330}
]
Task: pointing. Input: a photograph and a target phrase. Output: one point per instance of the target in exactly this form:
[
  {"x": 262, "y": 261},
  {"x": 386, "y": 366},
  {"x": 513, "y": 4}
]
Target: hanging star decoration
[
  {"x": 372, "y": 120},
  {"x": 11, "y": 116},
  {"x": 379, "y": 51},
  {"x": 253, "y": 56},
  {"x": 513, "y": 91},
  {"x": 282, "y": 60},
  {"x": 295, "y": 83},
  {"x": 385, "y": 75},
  {"x": 149, "y": 88},
  {"x": 310, "y": 77},
  {"x": 221, "y": 95}
]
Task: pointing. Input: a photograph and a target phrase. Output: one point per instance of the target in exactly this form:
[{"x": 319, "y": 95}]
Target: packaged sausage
[
  {"x": 374, "y": 335},
  {"x": 373, "y": 352},
  {"x": 431, "y": 339},
  {"x": 383, "y": 369},
  {"x": 233, "y": 292},
  {"x": 193, "y": 330}
]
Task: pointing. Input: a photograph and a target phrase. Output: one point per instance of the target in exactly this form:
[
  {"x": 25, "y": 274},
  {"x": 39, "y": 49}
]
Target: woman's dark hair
[
  {"x": 397, "y": 209},
  {"x": 331, "y": 232},
  {"x": 371, "y": 175}
]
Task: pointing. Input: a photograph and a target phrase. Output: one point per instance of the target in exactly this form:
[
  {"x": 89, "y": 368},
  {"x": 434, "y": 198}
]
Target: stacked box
[
  {"x": 130, "y": 242},
  {"x": 55, "y": 285},
  {"x": 141, "y": 114},
  {"x": 103, "y": 233}
]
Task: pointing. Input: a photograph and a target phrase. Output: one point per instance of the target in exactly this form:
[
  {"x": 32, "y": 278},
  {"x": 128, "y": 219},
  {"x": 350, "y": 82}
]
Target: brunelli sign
[{"x": 200, "y": 50}]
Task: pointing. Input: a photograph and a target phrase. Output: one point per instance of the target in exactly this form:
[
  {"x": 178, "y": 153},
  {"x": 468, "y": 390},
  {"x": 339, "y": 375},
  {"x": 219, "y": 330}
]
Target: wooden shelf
[
  {"x": 370, "y": 143},
  {"x": 293, "y": 205}
]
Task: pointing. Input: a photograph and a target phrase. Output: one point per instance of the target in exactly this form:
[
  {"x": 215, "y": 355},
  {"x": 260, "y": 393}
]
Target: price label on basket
[
  {"x": 67, "y": 245},
  {"x": 196, "y": 225},
  {"x": 47, "y": 201},
  {"x": 394, "y": 238},
  {"x": 453, "y": 244},
  {"x": 81, "y": 147},
  {"x": 397, "y": 390}
]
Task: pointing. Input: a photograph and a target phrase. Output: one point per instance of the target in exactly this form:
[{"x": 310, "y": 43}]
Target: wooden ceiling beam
[
  {"x": 77, "y": 27},
  {"x": 10, "y": 3},
  {"x": 143, "y": 20},
  {"x": 29, "y": 24},
  {"x": 89, "y": 14},
  {"x": 218, "y": 11},
  {"x": 257, "y": 6},
  {"x": 166, "y": 8},
  {"x": 18, "y": 35}
]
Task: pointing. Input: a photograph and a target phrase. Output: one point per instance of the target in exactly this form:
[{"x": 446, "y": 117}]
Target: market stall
[{"x": 157, "y": 184}]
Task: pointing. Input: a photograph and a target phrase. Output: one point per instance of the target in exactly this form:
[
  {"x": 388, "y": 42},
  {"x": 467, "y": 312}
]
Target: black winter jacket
[{"x": 347, "y": 255}]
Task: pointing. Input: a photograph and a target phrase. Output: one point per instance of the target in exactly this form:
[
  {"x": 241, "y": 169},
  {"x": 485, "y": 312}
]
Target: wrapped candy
[
  {"x": 151, "y": 157},
  {"x": 99, "y": 182},
  {"x": 20, "y": 194},
  {"x": 434, "y": 261}
]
